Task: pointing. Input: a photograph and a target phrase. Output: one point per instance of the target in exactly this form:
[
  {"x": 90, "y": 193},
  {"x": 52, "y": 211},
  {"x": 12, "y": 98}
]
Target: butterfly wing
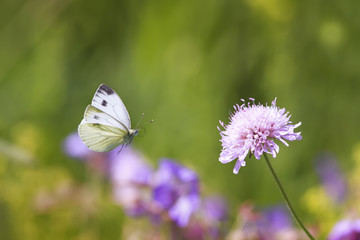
[
  {"x": 94, "y": 115},
  {"x": 101, "y": 137},
  {"x": 107, "y": 101}
]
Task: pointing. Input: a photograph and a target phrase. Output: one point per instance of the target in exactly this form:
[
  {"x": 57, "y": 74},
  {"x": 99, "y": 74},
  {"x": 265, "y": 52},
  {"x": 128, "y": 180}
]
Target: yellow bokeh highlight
[
  {"x": 27, "y": 135},
  {"x": 321, "y": 207},
  {"x": 276, "y": 10}
]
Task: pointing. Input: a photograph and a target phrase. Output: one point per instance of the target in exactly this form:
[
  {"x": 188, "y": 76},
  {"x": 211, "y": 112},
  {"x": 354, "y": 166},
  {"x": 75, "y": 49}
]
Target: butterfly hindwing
[
  {"x": 99, "y": 137},
  {"x": 107, "y": 100}
]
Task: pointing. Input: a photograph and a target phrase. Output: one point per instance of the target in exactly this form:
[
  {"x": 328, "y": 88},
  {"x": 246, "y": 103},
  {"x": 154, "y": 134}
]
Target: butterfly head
[
  {"x": 129, "y": 137},
  {"x": 133, "y": 132}
]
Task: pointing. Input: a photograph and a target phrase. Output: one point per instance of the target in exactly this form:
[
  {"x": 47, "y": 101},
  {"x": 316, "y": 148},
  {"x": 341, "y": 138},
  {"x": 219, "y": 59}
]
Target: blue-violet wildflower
[{"x": 176, "y": 190}]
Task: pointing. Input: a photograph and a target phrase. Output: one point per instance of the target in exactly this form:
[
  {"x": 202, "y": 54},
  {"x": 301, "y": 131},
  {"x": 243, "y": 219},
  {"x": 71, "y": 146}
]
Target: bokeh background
[{"x": 184, "y": 64}]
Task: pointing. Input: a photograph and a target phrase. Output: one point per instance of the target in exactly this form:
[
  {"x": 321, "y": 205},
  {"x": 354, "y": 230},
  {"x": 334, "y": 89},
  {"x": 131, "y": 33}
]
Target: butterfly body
[
  {"x": 131, "y": 134},
  {"x": 106, "y": 122}
]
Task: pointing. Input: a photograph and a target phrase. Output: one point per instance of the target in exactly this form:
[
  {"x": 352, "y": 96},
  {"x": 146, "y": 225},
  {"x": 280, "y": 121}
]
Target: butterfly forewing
[
  {"x": 106, "y": 100},
  {"x": 94, "y": 115},
  {"x": 99, "y": 137}
]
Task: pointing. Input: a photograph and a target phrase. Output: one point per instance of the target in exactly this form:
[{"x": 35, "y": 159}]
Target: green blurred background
[{"x": 184, "y": 64}]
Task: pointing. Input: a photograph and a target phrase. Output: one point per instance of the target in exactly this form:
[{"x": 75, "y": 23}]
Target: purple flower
[
  {"x": 131, "y": 176},
  {"x": 176, "y": 190},
  {"x": 215, "y": 208},
  {"x": 129, "y": 166},
  {"x": 346, "y": 230},
  {"x": 331, "y": 177},
  {"x": 253, "y": 129},
  {"x": 270, "y": 224},
  {"x": 214, "y": 214},
  {"x": 209, "y": 220},
  {"x": 276, "y": 219}
]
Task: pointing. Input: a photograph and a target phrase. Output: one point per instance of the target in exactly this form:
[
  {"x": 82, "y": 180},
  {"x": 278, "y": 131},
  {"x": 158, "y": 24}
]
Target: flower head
[
  {"x": 176, "y": 190},
  {"x": 253, "y": 129}
]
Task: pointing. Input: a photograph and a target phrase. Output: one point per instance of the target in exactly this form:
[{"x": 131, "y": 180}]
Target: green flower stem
[{"x": 287, "y": 199}]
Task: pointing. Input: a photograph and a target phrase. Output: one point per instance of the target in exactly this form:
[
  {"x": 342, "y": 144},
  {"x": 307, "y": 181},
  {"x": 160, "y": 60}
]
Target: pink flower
[{"x": 253, "y": 129}]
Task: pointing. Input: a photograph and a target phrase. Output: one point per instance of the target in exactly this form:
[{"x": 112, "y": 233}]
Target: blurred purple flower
[
  {"x": 208, "y": 222},
  {"x": 215, "y": 208},
  {"x": 214, "y": 214},
  {"x": 253, "y": 129},
  {"x": 131, "y": 176},
  {"x": 129, "y": 166},
  {"x": 269, "y": 224},
  {"x": 331, "y": 177},
  {"x": 346, "y": 230},
  {"x": 275, "y": 219},
  {"x": 74, "y": 147},
  {"x": 176, "y": 190}
]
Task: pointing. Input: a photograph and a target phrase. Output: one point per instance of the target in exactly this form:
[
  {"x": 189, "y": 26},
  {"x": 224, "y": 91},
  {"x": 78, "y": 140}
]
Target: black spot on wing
[
  {"x": 96, "y": 117},
  {"x": 105, "y": 89},
  {"x": 104, "y": 103}
]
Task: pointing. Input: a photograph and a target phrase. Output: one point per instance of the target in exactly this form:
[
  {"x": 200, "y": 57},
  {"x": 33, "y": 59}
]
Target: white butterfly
[{"x": 106, "y": 122}]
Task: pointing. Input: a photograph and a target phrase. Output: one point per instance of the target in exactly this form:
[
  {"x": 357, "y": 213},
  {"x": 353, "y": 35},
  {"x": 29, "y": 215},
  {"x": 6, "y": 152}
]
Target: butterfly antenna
[
  {"x": 142, "y": 116},
  {"x": 148, "y": 122},
  {"x": 143, "y": 128}
]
